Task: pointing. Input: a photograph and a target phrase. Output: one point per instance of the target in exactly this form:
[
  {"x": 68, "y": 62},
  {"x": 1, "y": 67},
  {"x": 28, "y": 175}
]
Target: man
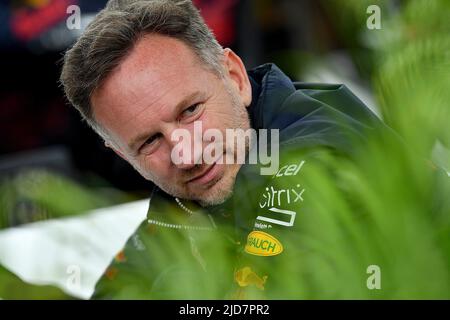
[{"x": 143, "y": 70}]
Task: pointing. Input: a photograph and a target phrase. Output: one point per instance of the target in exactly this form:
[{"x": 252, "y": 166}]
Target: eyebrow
[{"x": 185, "y": 102}]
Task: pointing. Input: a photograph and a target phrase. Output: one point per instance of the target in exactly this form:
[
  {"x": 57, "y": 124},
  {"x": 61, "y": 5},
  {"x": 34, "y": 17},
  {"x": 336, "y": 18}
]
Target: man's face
[{"x": 159, "y": 87}]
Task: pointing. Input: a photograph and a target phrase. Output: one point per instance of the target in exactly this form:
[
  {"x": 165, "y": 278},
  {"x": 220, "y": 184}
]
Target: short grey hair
[{"x": 114, "y": 32}]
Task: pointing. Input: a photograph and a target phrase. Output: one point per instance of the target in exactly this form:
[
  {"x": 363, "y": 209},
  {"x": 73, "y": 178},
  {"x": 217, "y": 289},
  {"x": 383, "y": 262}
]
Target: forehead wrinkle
[
  {"x": 166, "y": 75},
  {"x": 164, "y": 94},
  {"x": 150, "y": 69}
]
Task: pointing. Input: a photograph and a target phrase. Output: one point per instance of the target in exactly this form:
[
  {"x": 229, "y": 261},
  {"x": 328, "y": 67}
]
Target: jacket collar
[{"x": 270, "y": 86}]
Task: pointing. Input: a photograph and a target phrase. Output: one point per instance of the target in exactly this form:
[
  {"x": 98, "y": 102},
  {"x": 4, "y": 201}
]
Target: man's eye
[
  {"x": 191, "y": 110},
  {"x": 150, "y": 144},
  {"x": 152, "y": 139}
]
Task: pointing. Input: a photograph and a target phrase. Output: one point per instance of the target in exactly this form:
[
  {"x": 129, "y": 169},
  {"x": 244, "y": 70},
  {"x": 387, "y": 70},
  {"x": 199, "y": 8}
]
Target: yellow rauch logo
[{"x": 262, "y": 244}]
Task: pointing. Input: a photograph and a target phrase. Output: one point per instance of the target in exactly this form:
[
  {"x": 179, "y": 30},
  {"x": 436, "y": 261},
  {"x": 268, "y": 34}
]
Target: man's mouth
[{"x": 207, "y": 176}]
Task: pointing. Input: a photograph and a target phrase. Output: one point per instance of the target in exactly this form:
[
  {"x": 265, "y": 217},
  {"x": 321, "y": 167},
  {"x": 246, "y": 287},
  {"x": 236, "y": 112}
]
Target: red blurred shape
[
  {"x": 219, "y": 16},
  {"x": 27, "y": 24}
]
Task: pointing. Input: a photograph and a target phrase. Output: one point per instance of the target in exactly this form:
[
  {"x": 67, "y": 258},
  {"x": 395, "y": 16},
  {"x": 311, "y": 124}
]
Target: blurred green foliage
[
  {"x": 36, "y": 195},
  {"x": 12, "y": 287}
]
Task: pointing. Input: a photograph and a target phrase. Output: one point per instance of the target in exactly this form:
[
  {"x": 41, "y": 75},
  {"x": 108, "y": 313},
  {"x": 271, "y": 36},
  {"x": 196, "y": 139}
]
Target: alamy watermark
[
  {"x": 74, "y": 20},
  {"x": 236, "y": 146},
  {"x": 374, "y": 280},
  {"x": 73, "y": 281},
  {"x": 374, "y": 20}
]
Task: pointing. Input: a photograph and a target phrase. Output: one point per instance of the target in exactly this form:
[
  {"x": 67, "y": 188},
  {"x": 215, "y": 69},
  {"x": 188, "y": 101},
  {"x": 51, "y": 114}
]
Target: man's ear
[
  {"x": 120, "y": 154},
  {"x": 235, "y": 70}
]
